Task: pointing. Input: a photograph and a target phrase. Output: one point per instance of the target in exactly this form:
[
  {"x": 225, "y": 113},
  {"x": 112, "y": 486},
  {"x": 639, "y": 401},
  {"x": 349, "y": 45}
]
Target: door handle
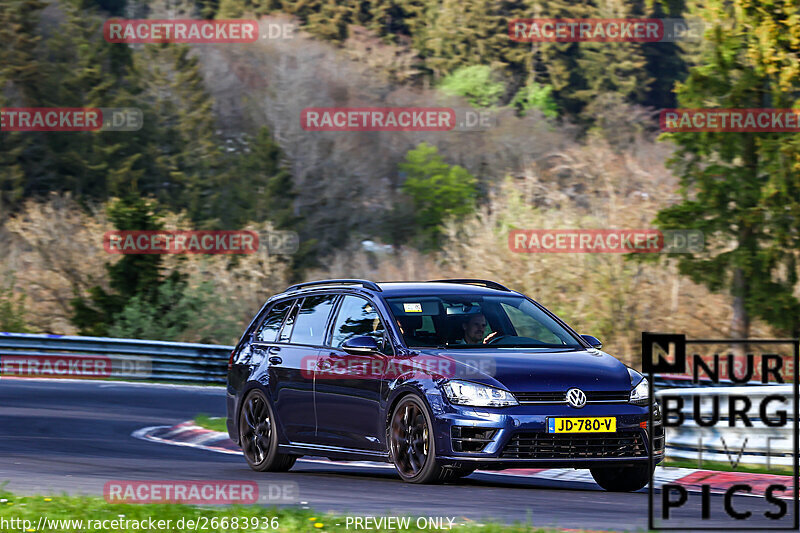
[
  {"x": 275, "y": 360},
  {"x": 274, "y": 349}
]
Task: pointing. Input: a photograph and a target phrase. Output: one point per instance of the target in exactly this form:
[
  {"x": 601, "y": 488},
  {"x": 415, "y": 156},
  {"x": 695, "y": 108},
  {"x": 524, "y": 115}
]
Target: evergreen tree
[
  {"x": 743, "y": 189},
  {"x": 612, "y": 67},
  {"x": 19, "y": 71},
  {"x": 133, "y": 276},
  {"x": 262, "y": 185}
]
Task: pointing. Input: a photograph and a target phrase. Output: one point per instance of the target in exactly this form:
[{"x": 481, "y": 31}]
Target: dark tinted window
[
  {"x": 357, "y": 317},
  {"x": 309, "y": 326},
  {"x": 268, "y": 331},
  {"x": 452, "y": 320}
]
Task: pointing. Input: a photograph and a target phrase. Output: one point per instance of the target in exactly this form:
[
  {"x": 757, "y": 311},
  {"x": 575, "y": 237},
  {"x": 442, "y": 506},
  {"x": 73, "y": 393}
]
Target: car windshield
[{"x": 469, "y": 321}]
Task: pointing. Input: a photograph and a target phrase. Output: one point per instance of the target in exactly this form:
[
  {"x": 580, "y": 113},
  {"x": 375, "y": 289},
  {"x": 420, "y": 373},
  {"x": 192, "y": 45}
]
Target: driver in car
[{"x": 474, "y": 327}]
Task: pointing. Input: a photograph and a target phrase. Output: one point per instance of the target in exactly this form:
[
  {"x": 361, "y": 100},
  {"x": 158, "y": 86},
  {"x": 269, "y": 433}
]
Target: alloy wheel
[
  {"x": 410, "y": 439},
  {"x": 257, "y": 429}
]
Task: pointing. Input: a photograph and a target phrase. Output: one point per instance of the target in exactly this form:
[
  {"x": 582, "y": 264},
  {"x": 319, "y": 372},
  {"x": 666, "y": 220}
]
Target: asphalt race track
[{"x": 74, "y": 436}]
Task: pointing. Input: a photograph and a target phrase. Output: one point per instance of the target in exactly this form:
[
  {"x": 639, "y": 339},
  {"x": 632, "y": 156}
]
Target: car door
[
  {"x": 291, "y": 360},
  {"x": 348, "y": 387}
]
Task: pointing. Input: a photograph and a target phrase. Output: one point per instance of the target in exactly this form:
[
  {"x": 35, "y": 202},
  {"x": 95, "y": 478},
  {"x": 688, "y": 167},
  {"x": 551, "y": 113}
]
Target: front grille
[
  {"x": 561, "y": 397},
  {"x": 543, "y": 397},
  {"x": 471, "y": 439},
  {"x": 567, "y": 446},
  {"x": 602, "y": 396}
]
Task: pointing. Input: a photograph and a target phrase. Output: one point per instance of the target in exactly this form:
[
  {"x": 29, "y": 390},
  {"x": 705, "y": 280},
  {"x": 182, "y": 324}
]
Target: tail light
[{"x": 230, "y": 359}]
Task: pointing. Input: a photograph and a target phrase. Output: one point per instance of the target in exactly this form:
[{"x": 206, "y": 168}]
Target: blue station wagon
[{"x": 439, "y": 378}]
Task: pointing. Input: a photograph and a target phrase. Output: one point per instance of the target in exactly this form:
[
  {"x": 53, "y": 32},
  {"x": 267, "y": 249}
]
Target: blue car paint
[{"x": 515, "y": 370}]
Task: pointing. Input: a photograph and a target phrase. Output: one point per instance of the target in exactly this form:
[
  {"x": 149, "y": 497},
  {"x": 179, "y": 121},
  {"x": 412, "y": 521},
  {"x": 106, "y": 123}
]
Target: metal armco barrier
[
  {"x": 100, "y": 357},
  {"x": 758, "y": 444}
]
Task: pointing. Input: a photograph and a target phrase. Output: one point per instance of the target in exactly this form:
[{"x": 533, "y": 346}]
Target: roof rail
[
  {"x": 469, "y": 281},
  {"x": 363, "y": 282}
]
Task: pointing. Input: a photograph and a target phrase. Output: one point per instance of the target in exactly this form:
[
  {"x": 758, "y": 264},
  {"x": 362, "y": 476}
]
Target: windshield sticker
[{"x": 412, "y": 308}]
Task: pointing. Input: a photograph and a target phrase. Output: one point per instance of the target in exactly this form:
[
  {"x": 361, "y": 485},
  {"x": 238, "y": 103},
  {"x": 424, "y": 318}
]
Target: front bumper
[{"x": 518, "y": 437}]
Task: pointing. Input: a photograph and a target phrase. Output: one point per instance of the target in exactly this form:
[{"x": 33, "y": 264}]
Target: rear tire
[
  {"x": 258, "y": 436},
  {"x": 411, "y": 444},
  {"x": 622, "y": 478}
]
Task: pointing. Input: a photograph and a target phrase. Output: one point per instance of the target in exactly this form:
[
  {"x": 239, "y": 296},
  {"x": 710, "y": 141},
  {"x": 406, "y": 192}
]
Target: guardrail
[
  {"x": 73, "y": 356},
  {"x": 758, "y": 444},
  {"x": 53, "y": 355}
]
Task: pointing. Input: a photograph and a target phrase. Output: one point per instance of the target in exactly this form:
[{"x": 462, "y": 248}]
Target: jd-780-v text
[{"x": 439, "y": 378}]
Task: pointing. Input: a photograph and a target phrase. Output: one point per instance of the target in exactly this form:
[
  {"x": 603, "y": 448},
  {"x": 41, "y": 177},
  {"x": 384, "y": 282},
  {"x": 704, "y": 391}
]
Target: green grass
[
  {"x": 93, "y": 511},
  {"x": 214, "y": 423},
  {"x": 727, "y": 467}
]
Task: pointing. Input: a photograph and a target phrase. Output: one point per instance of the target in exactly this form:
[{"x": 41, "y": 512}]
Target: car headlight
[
  {"x": 475, "y": 395},
  {"x": 640, "y": 394}
]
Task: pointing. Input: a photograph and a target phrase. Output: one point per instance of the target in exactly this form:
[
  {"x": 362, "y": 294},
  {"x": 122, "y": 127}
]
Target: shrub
[{"x": 475, "y": 84}]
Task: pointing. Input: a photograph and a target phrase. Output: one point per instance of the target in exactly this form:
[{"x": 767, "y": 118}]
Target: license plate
[{"x": 589, "y": 424}]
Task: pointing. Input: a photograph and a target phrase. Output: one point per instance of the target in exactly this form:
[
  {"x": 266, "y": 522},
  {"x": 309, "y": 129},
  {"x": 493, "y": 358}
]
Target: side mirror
[
  {"x": 363, "y": 345},
  {"x": 594, "y": 342}
]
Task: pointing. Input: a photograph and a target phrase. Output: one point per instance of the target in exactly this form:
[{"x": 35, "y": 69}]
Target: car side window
[
  {"x": 268, "y": 331},
  {"x": 358, "y": 317},
  {"x": 312, "y": 319}
]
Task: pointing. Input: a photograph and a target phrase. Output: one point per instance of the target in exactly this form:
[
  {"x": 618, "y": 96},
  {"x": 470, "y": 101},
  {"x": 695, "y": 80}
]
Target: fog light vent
[{"x": 471, "y": 439}]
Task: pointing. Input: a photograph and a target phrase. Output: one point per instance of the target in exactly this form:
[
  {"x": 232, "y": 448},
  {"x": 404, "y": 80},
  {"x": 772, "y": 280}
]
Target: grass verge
[
  {"x": 92, "y": 514},
  {"x": 778, "y": 470},
  {"x": 214, "y": 423}
]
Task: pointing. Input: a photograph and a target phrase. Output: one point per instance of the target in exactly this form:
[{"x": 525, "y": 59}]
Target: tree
[
  {"x": 474, "y": 83},
  {"x": 176, "y": 313},
  {"x": 133, "y": 276},
  {"x": 438, "y": 191},
  {"x": 20, "y": 71},
  {"x": 743, "y": 189},
  {"x": 535, "y": 96},
  {"x": 262, "y": 184}
]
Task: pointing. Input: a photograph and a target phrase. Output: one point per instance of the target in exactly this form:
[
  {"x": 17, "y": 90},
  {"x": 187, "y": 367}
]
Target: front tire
[
  {"x": 258, "y": 436},
  {"x": 411, "y": 443},
  {"x": 622, "y": 478}
]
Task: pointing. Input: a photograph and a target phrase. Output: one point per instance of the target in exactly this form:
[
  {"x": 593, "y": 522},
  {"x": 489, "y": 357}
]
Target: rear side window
[
  {"x": 309, "y": 326},
  {"x": 268, "y": 331}
]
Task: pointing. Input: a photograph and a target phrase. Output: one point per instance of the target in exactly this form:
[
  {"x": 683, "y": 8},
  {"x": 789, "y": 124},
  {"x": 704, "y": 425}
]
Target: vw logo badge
[{"x": 576, "y": 398}]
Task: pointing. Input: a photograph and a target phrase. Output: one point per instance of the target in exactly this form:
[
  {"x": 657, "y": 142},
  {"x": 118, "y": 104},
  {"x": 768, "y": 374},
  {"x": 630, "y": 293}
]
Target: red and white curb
[{"x": 191, "y": 435}]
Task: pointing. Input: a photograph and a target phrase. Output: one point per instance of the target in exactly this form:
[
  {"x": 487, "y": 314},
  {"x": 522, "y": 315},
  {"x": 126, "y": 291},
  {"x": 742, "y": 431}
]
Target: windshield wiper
[{"x": 541, "y": 346}]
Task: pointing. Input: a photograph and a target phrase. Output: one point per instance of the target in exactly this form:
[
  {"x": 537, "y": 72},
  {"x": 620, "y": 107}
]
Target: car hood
[{"x": 519, "y": 370}]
